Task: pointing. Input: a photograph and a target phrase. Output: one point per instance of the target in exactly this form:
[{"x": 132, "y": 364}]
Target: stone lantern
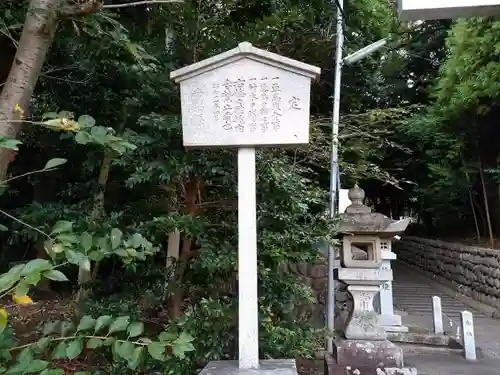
[{"x": 365, "y": 343}]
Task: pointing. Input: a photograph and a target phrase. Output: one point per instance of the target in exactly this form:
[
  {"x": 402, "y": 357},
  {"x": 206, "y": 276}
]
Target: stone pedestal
[
  {"x": 364, "y": 285},
  {"x": 390, "y": 321},
  {"x": 267, "y": 367},
  {"x": 364, "y": 323},
  {"x": 367, "y": 353},
  {"x": 333, "y": 368},
  {"x": 366, "y": 357}
]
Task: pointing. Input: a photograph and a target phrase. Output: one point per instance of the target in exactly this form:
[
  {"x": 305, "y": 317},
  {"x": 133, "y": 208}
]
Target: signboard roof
[{"x": 245, "y": 50}]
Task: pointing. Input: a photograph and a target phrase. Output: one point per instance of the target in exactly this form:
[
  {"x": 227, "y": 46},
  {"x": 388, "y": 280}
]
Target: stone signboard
[
  {"x": 245, "y": 97},
  {"x": 440, "y": 9}
]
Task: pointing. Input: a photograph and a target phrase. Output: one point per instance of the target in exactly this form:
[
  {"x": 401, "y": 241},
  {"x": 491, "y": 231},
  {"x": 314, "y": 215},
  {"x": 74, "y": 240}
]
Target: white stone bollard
[
  {"x": 437, "y": 315},
  {"x": 390, "y": 321},
  {"x": 468, "y": 339}
]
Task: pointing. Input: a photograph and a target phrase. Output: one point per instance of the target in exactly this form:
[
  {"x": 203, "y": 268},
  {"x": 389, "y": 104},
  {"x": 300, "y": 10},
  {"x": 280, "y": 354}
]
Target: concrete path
[
  {"x": 450, "y": 364},
  {"x": 413, "y": 297}
]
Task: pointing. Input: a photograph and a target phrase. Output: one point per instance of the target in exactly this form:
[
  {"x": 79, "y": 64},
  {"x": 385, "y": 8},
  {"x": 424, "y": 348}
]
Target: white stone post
[
  {"x": 468, "y": 339},
  {"x": 437, "y": 315},
  {"x": 390, "y": 321},
  {"x": 248, "y": 323}
]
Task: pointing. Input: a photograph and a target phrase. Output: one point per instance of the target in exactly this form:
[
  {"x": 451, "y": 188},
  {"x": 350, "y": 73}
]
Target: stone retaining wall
[
  {"x": 316, "y": 275},
  {"x": 474, "y": 271}
]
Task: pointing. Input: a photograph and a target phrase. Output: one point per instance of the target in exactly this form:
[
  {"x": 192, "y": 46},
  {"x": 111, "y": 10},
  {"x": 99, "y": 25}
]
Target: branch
[
  {"x": 80, "y": 9},
  {"x": 2, "y": 183},
  {"x": 26, "y": 224},
  {"x": 143, "y": 2}
]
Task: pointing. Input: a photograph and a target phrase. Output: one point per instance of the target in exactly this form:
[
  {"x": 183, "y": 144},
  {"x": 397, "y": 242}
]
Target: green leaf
[
  {"x": 43, "y": 343},
  {"x": 116, "y": 238},
  {"x": 115, "y": 349},
  {"x": 74, "y": 348},
  {"x": 104, "y": 244},
  {"x": 102, "y": 322},
  {"x": 35, "y": 366},
  {"x": 120, "y": 324},
  {"x": 56, "y": 248},
  {"x": 18, "y": 369},
  {"x": 86, "y": 121},
  {"x": 98, "y": 134},
  {"x": 167, "y": 337},
  {"x": 86, "y": 241},
  {"x": 55, "y": 275},
  {"x": 9, "y": 143},
  {"x": 135, "y": 329},
  {"x": 33, "y": 278},
  {"x": 122, "y": 253},
  {"x": 59, "y": 351},
  {"x": 136, "y": 240},
  {"x": 56, "y": 162},
  {"x": 36, "y": 265},
  {"x": 95, "y": 343},
  {"x": 62, "y": 226},
  {"x": 82, "y": 137},
  {"x": 82, "y": 373},
  {"x": 118, "y": 148},
  {"x": 74, "y": 257},
  {"x": 22, "y": 289},
  {"x": 7, "y": 280},
  {"x": 126, "y": 350},
  {"x": 67, "y": 238},
  {"x": 96, "y": 256},
  {"x": 182, "y": 345},
  {"x": 135, "y": 359},
  {"x": 3, "y": 228},
  {"x": 156, "y": 350},
  {"x": 56, "y": 371},
  {"x": 26, "y": 355},
  {"x": 49, "y": 115},
  {"x": 86, "y": 323}
]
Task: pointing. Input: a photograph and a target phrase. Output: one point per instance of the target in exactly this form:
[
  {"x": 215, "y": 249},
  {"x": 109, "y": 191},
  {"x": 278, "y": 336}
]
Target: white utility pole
[
  {"x": 334, "y": 165},
  {"x": 334, "y": 159}
]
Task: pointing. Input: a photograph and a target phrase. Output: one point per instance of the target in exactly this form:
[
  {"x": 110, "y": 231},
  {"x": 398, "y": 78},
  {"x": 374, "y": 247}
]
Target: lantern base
[
  {"x": 367, "y": 353},
  {"x": 267, "y": 367}
]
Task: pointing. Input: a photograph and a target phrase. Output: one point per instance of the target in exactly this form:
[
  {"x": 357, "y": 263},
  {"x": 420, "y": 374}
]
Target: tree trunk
[
  {"x": 481, "y": 215},
  {"x": 38, "y": 34},
  {"x": 174, "y": 241},
  {"x": 474, "y": 215},
  {"x": 471, "y": 199},
  {"x": 186, "y": 253},
  {"x": 486, "y": 205},
  {"x": 84, "y": 276}
]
